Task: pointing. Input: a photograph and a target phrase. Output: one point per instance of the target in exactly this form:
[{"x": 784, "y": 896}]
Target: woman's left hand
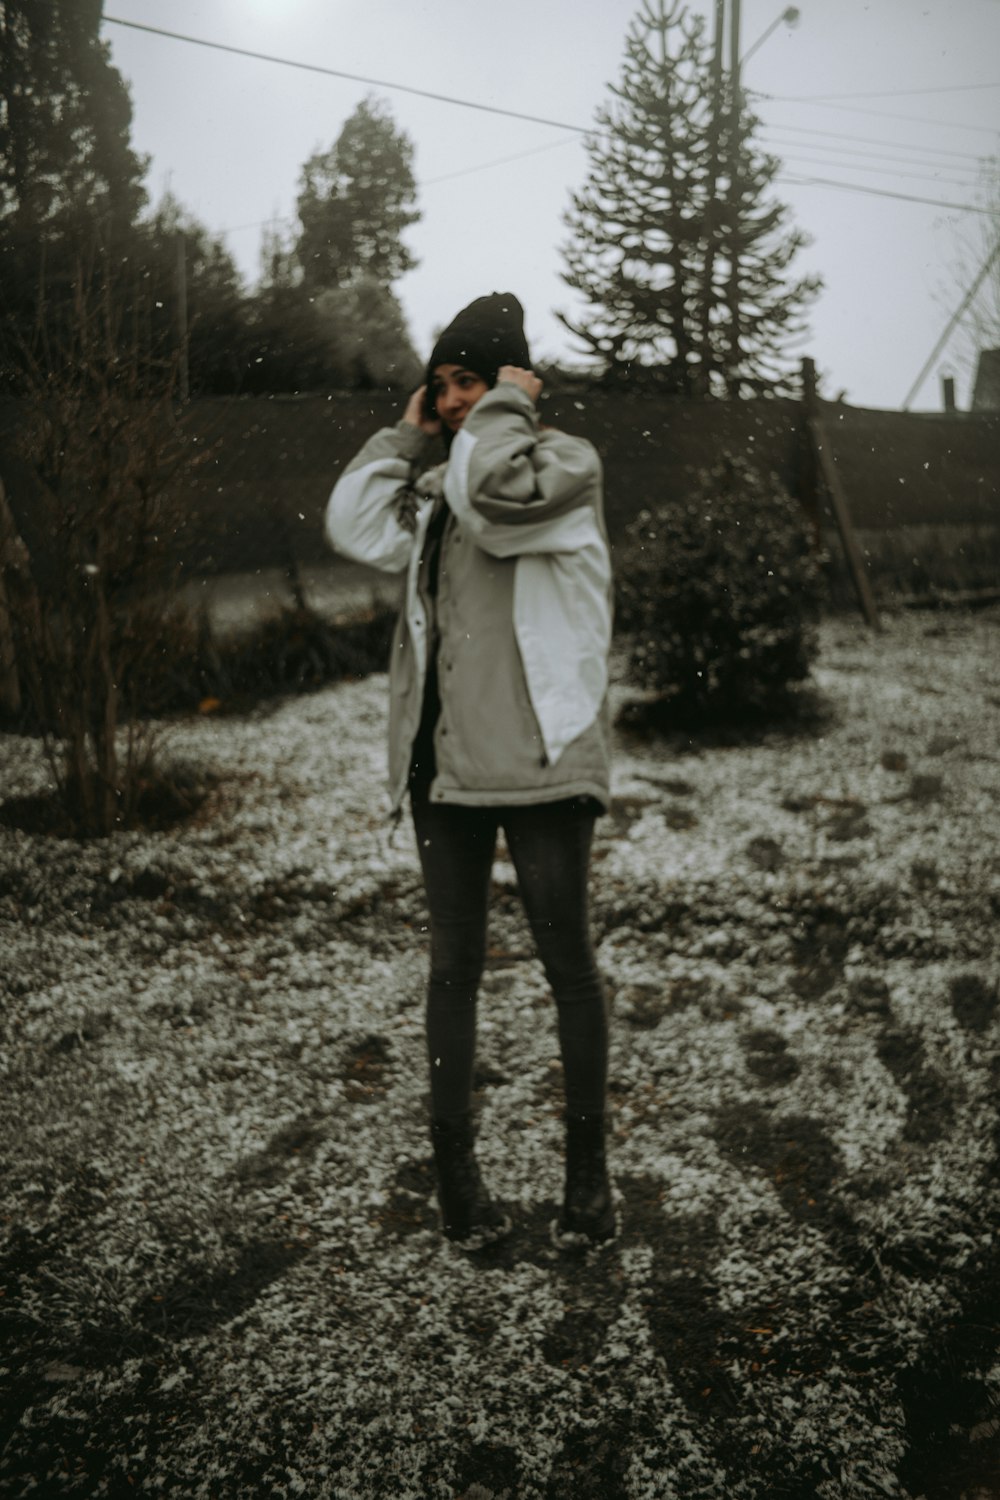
[{"x": 526, "y": 379}]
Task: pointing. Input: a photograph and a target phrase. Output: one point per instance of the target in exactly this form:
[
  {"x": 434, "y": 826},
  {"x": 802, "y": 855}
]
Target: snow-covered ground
[{"x": 221, "y": 1269}]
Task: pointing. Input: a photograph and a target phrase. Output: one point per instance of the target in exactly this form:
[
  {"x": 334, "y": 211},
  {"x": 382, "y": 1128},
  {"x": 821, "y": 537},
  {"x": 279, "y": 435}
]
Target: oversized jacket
[{"x": 523, "y": 604}]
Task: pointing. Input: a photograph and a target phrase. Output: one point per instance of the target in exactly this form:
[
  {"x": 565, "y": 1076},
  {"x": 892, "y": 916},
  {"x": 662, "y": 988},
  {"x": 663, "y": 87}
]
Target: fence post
[
  {"x": 822, "y": 458},
  {"x": 10, "y": 548}
]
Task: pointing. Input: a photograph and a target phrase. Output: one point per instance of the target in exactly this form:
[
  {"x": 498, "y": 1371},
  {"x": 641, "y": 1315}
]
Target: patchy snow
[{"x": 221, "y": 1265}]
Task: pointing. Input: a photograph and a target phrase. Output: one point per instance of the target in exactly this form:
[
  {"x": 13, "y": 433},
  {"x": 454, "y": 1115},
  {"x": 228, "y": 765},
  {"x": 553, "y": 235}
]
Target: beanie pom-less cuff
[{"x": 482, "y": 337}]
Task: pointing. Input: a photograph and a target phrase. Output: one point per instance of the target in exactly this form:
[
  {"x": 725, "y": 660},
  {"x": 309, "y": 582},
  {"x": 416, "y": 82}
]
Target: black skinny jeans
[{"x": 550, "y": 847}]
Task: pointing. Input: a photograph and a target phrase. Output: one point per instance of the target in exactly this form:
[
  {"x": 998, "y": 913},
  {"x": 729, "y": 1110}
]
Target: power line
[
  {"x": 952, "y": 174},
  {"x": 881, "y": 114},
  {"x": 798, "y": 180},
  {"x": 943, "y": 88},
  {"x": 382, "y": 83},
  {"x": 509, "y": 113},
  {"x": 894, "y": 172},
  {"x": 869, "y": 140},
  {"x": 482, "y": 166},
  {"x": 499, "y": 161},
  {"x": 497, "y": 109}
]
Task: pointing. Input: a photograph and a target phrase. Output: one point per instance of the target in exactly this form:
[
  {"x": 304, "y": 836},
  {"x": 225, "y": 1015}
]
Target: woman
[{"x": 498, "y": 716}]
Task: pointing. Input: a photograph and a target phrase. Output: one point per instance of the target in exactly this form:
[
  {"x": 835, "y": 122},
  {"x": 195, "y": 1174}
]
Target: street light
[{"x": 789, "y": 16}]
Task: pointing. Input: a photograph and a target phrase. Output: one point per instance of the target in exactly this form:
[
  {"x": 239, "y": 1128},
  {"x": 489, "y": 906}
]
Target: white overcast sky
[{"x": 228, "y": 136}]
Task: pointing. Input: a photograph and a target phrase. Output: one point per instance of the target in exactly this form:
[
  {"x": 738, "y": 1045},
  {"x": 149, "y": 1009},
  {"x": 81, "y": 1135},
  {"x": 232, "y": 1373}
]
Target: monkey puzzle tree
[{"x": 675, "y": 243}]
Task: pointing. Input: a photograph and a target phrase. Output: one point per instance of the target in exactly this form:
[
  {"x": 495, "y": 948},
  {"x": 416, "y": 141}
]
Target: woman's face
[{"x": 454, "y": 392}]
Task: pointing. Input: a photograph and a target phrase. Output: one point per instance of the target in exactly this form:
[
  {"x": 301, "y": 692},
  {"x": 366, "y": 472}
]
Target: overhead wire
[
  {"x": 881, "y": 114},
  {"x": 522, "y": 115},
  {"x": 829, "y": 101},
  {"x": 897, "y": 176},
  {"x": 940, "y": 88},
  {"x": 869, "y": 140},
  {"x": 382, "y": 83},
  {"x": 858, "y": 187},
  {"x": 859, "y": 159},
  {"x": 427, "y": 182},
  {"x": 476, "y": 104}
]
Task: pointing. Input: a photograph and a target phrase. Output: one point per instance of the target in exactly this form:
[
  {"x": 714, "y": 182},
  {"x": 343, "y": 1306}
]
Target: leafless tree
[
  {"x": 976, "y": 241},
  {"x": 88, "y": 592}
]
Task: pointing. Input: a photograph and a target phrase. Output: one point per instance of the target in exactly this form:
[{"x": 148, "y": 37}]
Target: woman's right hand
[{"x": 416, "y": 414}]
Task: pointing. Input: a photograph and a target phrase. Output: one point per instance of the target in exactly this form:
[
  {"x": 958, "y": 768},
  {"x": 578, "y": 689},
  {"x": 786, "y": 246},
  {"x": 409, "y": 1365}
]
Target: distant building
[{"x": 986, "y": 391}]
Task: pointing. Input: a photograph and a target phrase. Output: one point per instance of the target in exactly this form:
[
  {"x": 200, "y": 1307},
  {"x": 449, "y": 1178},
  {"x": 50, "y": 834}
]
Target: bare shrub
[{"x": 89, "y": 591}]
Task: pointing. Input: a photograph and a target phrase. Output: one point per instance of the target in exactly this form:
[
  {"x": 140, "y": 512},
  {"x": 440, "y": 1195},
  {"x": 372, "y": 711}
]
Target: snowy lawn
[{"x": 221, "y": 1269}]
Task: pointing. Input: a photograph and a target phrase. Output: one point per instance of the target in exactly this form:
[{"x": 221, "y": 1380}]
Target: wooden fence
[{"x": 922, "y": 491}]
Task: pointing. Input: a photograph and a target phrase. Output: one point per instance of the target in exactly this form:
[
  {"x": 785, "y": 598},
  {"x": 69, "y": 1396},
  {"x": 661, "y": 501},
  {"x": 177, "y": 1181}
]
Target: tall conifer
[
  {"x": 675, "y": 244},
  {"x": 70, "y": 182}
]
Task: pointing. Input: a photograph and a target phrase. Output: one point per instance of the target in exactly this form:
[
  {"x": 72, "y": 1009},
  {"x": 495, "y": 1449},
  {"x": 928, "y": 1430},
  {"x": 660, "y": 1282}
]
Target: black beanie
[{"x": 485, "y": 335}]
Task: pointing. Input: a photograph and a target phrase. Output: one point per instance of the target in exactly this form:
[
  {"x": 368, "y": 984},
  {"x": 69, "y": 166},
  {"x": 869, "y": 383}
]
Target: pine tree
[
  {"x": 70, "y": 183},
  {"x": 217, "y": 314},
  {"x": 674, "y": 245},
  {"x": 637, "y": 225},
  {"x": 355, "y": 202}
]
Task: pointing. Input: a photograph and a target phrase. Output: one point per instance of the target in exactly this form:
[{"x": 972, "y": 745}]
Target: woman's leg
[
  {"x": 456, "y": 854},
  {"x": 456, "y": 846},
  {"x": 550, "y": 848}
]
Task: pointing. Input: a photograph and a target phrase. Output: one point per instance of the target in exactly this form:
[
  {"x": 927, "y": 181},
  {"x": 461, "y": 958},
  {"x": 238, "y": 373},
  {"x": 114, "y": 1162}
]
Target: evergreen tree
[
  {"x": 289, "y": 350},
  {"x": 638, "y": 224},
  {"x": 355, "y": 202},
  {"x": 675, "y": 245},
  {"x": 369, "y": 342},
  {"x": 217, "y": 309},
  {"x": 324, "y": 314},
  {"x": 70, "y": 183}
]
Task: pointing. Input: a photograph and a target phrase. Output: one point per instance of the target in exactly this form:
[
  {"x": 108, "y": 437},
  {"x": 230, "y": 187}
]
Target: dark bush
[
  {"x": 295, "y": 651},
  {"x": 718, "y": 592},
  {"x": 298, "y": 651}
]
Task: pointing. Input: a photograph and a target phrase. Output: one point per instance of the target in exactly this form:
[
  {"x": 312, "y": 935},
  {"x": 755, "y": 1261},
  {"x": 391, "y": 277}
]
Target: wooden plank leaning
[
  {"x": 13, "y": 556},
  {"x": 822, "y": 454}
]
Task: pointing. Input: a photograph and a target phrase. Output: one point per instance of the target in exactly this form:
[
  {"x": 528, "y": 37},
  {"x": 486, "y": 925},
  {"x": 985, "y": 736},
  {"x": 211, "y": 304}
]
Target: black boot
[
  {"x": 588, "y": 1216},
  {"x": 468, "y": 1214}
]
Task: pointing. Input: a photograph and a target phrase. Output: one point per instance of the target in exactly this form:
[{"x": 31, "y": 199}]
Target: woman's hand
[
  {"x": 526, "y": 379},
  {"x": 416, "y": 414}
]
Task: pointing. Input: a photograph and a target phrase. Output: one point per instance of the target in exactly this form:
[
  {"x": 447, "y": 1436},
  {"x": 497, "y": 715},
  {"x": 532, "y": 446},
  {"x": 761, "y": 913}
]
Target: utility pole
[
  {"x": 735, "y": 101},
  {"x": 182, "y": 316},
  {"x": 712, "y": 217}
]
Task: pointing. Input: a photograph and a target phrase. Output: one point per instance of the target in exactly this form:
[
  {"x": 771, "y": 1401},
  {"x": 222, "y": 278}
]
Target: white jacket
[{"x": 523, "y": 606}]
